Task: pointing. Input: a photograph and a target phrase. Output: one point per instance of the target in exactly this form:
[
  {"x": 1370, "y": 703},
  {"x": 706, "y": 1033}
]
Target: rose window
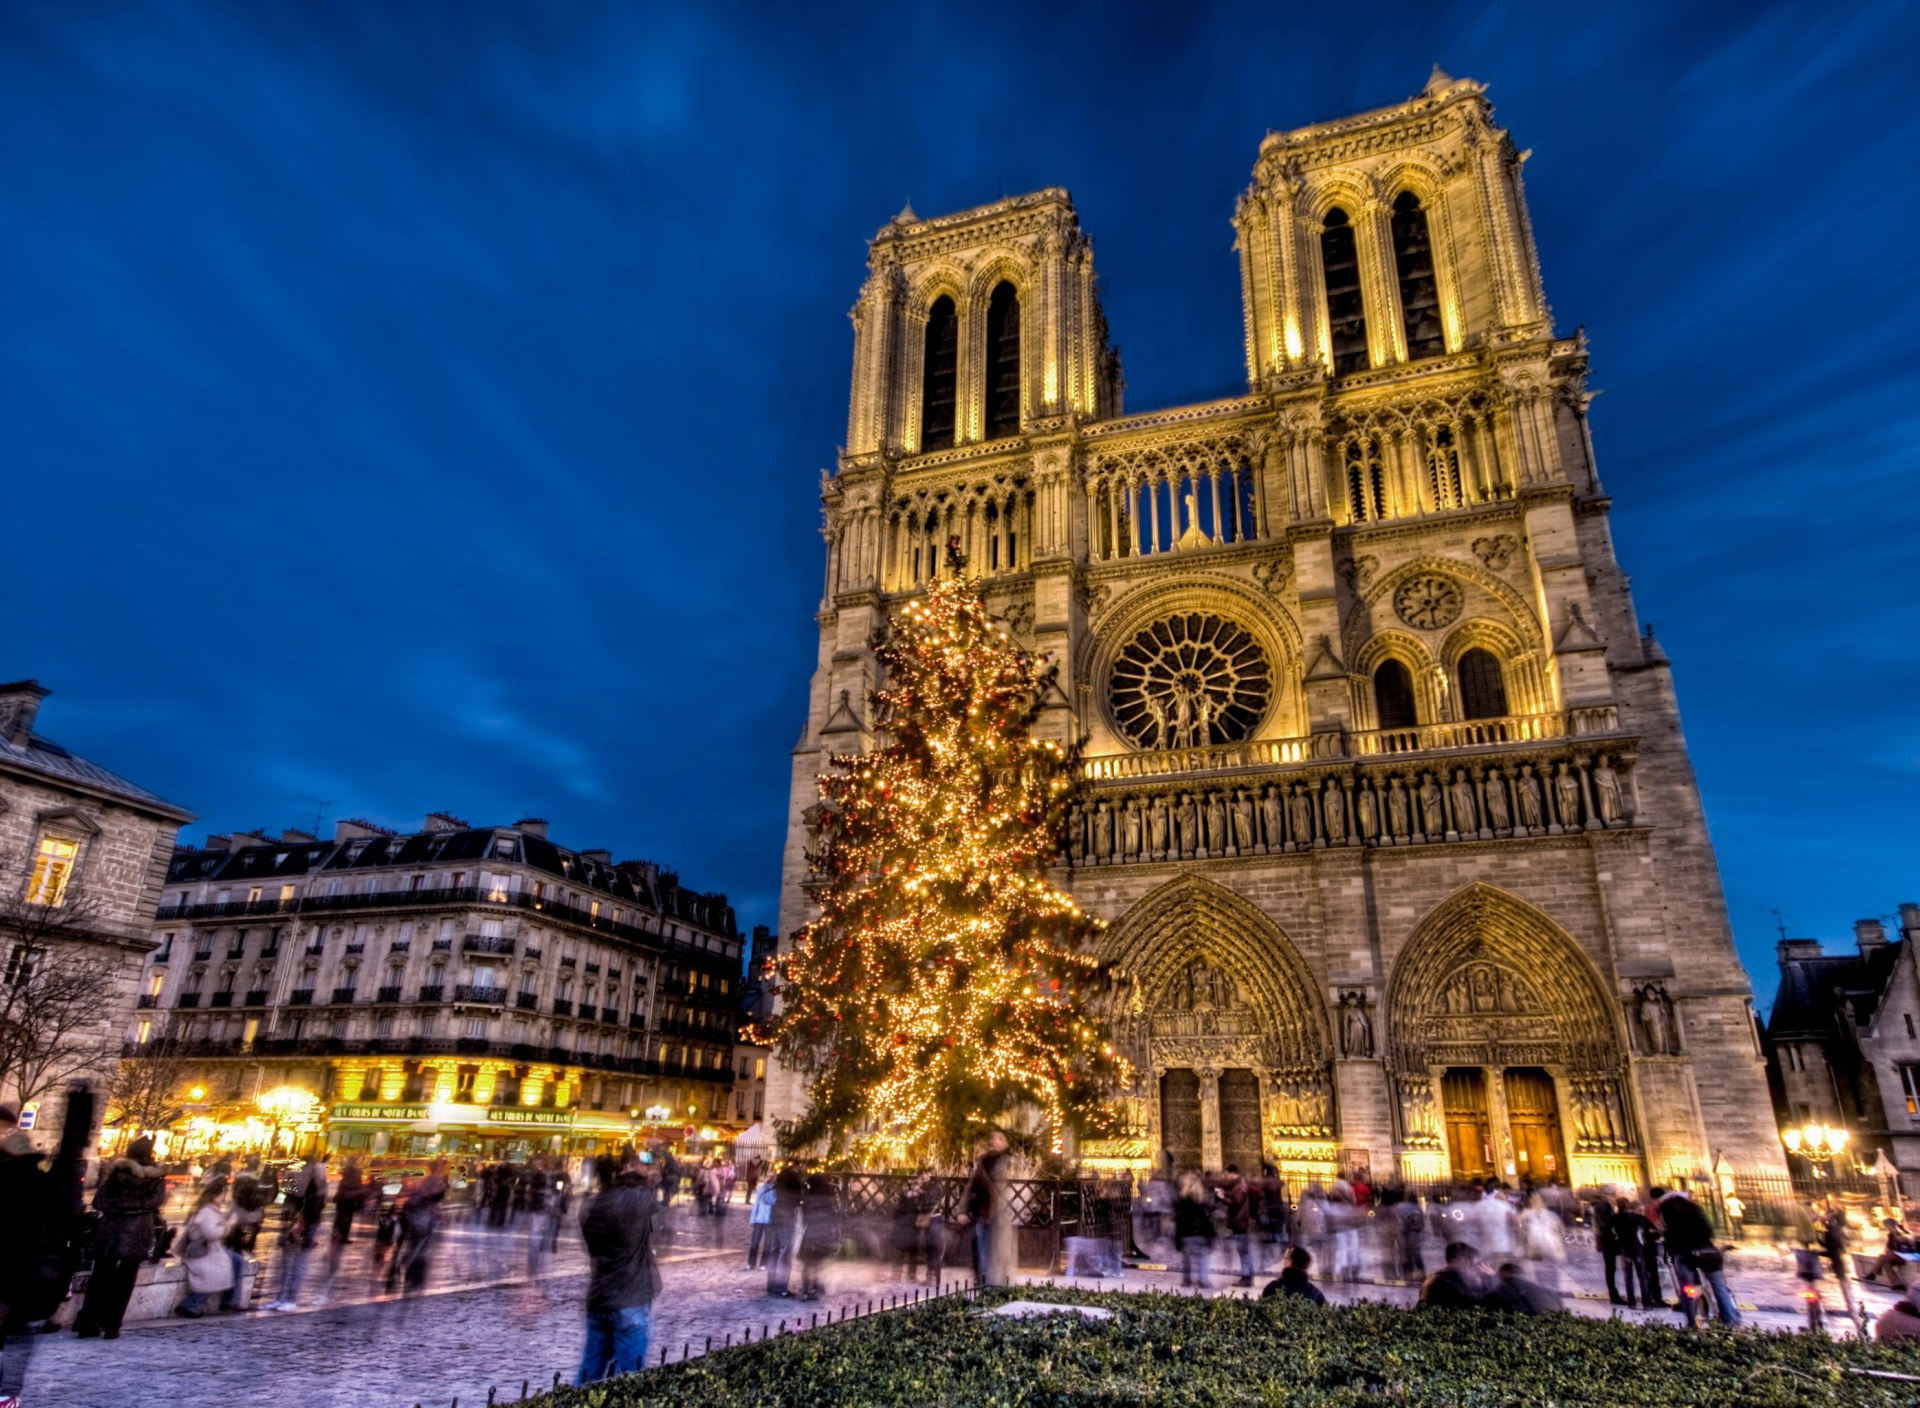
[{"x": 1190, "y": 680}]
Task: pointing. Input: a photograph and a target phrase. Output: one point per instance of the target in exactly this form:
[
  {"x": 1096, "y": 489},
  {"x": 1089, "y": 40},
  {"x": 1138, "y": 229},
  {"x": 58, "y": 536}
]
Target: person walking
[
  {"x": 25, "y": 1210},
  {"x": 248, "y": 1196},
  {"x": 419, "y": 1220},
  {"x": 306, "y": 1207},
  {"x": 759, "y": 1223},
  {"x": 1193, "y": 1229},
  {"x": 1543, "y": 1242},
  {"x": 988, "y": 1211},
  {"x": 616, "y": 1224},
  {"x": 789, "y": 1200},
  {"x": 128, "y": 1200},
  {"x": 820, "y": 1237},
  {"x": 213, "y": 1268},
  {"x": 1836, "y": 1239},
  {"x": 348, "y": 1198},
  {"x": 1698, "y": 1265}
]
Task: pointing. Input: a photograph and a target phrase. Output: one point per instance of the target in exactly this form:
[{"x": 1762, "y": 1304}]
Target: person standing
[
  {"x": 419, "y": 1220},
  {"x": 616, "y": 1224},
  {"x": 1836, "y": 1239},
  {"x": 1239, "y": 1201},
  {"x": 1543, "y": 1242},
  {"x": 248, "y": 1197},
  {"x": 820, "y": 1237},
  {"x": 213, "y": 1268},
  {"x": 992, "y": 1217},
  {"x": 25, "y": 1208},
  {"x": 1698, "y": 1265},
  {"x": 128, "y": 1201},
  {"x": 759, "y": 1222},
  {"x": 348, "y": 1198}
]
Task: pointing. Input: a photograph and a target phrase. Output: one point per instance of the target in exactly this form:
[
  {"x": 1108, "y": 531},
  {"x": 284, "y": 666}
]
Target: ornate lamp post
[{"x": 1816, "y": 1143}]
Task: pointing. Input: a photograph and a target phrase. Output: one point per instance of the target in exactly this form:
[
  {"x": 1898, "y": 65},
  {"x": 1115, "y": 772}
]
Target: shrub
[{"x": 1182, "y": 1352}]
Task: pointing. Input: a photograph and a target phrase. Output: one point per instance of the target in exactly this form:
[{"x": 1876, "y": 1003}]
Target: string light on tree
[{"x": 946, "y": 982}]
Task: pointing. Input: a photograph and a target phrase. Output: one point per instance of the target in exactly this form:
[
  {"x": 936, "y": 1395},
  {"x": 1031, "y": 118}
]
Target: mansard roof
[
  {"x": 1815, "y": 986},
  {"x": 633, "y": 882},
  {"x": 45, "y": 760}
]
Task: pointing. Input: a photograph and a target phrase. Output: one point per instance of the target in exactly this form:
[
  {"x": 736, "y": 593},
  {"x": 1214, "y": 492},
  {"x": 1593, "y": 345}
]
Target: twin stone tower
[{"x": 1386, "y": 801}]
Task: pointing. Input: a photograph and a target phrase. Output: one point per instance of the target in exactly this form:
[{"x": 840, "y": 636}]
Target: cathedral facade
[{"x": 1385, "y": 797}]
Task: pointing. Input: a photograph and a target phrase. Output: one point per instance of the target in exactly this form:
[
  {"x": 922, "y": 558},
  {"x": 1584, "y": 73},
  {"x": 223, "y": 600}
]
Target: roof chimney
[
  {"x": 294, "y": 833},
  {"x": 1870, "y": 935},
  {"x": 19, "y": 706},
  {"x": 1792, "y": 949},
  {"x": 1910, "y": 920},
  {"x": 347, "y": 829},
  {"x": 256, "y": 837},
  {"x": 444, "y": 821},
  {"x": 532, "y": 826},
  {"x": 604, "y": 857}
]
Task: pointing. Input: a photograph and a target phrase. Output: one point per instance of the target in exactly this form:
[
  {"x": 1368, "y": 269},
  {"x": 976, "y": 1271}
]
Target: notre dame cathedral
[{"x": 1386, "y": 801}]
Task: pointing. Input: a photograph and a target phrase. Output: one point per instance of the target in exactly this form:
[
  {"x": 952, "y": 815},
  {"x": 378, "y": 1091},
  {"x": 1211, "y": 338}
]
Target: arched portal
[
  {"x": 1504, "y": 1051},
  {"x": 1230, "y": 1044}
]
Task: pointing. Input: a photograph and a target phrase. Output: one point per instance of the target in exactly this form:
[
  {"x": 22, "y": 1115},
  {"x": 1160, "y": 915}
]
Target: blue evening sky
[{"x": 408, "y": 406}]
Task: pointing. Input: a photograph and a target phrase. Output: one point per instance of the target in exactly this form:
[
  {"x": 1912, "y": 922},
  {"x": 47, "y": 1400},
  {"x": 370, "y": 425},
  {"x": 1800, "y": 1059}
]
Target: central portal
[
  {"x": 1535, "y": 1149},
  {"x": 1180, "y": 1117}
]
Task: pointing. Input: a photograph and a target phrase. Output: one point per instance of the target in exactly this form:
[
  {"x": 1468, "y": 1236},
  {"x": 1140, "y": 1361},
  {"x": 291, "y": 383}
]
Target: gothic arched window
[
  {"x": 1003, "y": 362},
  {"x": 1419, "y": 294},
  {"x": 1346, "y": 312},
  {"x": 1483, "y": 693},
  {"x": 1443, "y": 469},
  {"x": 1393, "y": 696},
  {"x": 941, "y": 377}
]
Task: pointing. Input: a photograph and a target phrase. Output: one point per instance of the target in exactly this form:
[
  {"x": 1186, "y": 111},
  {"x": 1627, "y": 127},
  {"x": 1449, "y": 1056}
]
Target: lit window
[
  {"x": 1910, "y": 1087},
  {"x": 52, "y": 868},
  {"x": 19, "y": 964},
  {"x": 146, "y": 1033}
]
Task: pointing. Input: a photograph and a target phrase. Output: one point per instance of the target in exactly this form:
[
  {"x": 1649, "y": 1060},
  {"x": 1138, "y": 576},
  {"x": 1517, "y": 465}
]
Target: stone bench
[{"x": 158, "y": 1290}]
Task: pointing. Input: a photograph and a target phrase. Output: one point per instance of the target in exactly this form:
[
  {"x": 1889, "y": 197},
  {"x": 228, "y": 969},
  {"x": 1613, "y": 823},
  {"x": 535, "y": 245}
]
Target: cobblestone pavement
[{"x": 474, "y": 1335}]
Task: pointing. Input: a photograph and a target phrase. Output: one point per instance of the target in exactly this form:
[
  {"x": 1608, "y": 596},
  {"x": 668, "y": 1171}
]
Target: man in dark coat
[
  {"x": 617, "y": 1226},
  {"x": 1698, "y": 1265},
  {"x": 1292, "y": 1282},
  {"x": 1459, "y": 1285},
  {"x": 789, "y": 1196},
  {"x": 1516, "y": 1295},
  {"x": 128, "y": 1201}
]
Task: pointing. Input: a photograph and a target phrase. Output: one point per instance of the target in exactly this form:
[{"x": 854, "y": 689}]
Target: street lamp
[{"x": 1817, "y": 1143}]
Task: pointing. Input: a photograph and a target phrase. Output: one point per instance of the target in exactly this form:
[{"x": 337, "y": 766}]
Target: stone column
[{"x": 1212, "y": 1154}]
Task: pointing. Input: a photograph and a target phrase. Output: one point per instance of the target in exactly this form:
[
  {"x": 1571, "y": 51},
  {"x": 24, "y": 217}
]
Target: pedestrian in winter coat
[
  {"x": 789, "y": 1198},
  {"x": 759, "y": 1221},
  {"x": 212, "y": 1267},
  {"x": 820, "y": 1237},
  {"x": 128, "y": 1201},
  {"x": 25, "y": 1214},
  {"x": 1292, "y": 1283},
  {"x": 248, "y": 1197},
  {"x": 1460, "y": 1285},
  {"x": 988, "y": 1210},
  {"x": 1239, "y": 1201},
  {"x": 1543, "y": 1242},
  {"x": 617, "y": 1226},
  {"x": 1193, "y": 1229}
]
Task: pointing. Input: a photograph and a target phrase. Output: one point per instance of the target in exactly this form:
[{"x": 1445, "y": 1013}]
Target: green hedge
[{"x": 1181, "y": 1352}]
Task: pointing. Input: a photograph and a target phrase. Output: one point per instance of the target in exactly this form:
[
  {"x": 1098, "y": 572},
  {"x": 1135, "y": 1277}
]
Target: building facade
[
  {"x": 82, "y": 857},
  {"x": 1385, "y": 797},
  {"x": 460, "y": 990},
  {"x": 1843, "y": 1040}
]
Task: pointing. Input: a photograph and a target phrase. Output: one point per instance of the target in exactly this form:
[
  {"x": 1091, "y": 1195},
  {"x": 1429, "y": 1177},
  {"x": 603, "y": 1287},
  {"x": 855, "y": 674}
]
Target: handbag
[{"x": 1707, "y": 1260}]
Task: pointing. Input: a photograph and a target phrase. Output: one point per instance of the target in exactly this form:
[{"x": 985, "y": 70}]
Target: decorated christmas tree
[{"x": 946, "y": 986}]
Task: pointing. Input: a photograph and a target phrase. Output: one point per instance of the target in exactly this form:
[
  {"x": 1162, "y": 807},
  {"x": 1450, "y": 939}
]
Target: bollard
[
  {"x": 663, "y": 1356},
  {"x": 814, "y": 1323},
  {"x": 525, "y": 1384},
  {"x": 685, "y": 1350},
  {"x": 709, "y": 1348}
]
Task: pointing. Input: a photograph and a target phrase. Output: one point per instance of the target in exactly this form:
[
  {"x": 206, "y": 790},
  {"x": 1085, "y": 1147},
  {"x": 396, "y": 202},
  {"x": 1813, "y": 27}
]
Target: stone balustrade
[{"x": 1316, "y": 804}]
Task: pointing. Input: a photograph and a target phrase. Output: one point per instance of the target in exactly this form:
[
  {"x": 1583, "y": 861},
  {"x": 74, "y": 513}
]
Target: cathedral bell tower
[{"x": 1384, "y": 794}]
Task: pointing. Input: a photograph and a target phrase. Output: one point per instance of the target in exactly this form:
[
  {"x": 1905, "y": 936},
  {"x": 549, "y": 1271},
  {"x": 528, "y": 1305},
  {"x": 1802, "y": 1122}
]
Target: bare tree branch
[{"x": 56, "y": 987}]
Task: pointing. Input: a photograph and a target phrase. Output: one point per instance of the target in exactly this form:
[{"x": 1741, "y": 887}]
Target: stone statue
[
  {"x": 1497, "y": 815},
  {"x": 1566, "y": 791},
  {"x": 1157, "y": 711},
  {"x": 1465, "y": 816},
  {"x": 1243, "y": 822},
  {"x": 1656, "y": 1020},
  {"x": 1182, "y": 719},
  {"x": 1076, "y": 835},
  {"x": 1300, "y": 815},
  {"x": 1416, "y": 1109},
  {"x": 1273, "y": 813},
  {"x": 1433, "y": 818},
  {"x": 1356, "y": 1027},
  {"x": 1606, "y": 792},
  {"x": 1203, "y": 720},
  {"x": 1216, "y": 825},
  {"x": 1103, "y": 832},
  {"x": 1160, "y": 820},
  {"x": 1366, "y": 811},
  {"x": 1528, "y": 789},
  {"x": 1130, "y": 832},
  {"x": 1188, "y": 816},
  {"x": 1286, "y": 1105},
  {"x": 1397, "y": 810},
  {"x": 1200, "y": 986},
  {"x": 1335, "y": 806}
]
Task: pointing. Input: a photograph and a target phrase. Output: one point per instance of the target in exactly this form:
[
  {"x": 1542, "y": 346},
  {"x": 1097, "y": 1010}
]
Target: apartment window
[
  {"x": 370, "y": 1084},
  {"x": 1910, "y": 1088},
  {"x": 52, "y": 868},
  {"x": 153, "y": 986},
  {"x": 286, "y": 894},
  {"x": 1909, "y": 1020},
  {"x": 760, "y": 1068},
  {"x": 467, "y": 1075},
  {"x": 146, "y": 1033}
]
